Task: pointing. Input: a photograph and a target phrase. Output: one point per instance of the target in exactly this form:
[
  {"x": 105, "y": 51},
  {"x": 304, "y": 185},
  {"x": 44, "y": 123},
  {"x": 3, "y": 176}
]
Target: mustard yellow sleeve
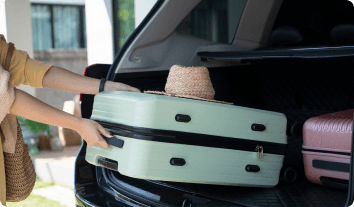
[
  {"x": 23, "y": 69},
  {"x": 34, "y": 72}
]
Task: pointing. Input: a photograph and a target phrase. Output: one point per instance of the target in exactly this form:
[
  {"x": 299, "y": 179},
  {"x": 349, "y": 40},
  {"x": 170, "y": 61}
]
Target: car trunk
[{"x": 299, "y": 88}]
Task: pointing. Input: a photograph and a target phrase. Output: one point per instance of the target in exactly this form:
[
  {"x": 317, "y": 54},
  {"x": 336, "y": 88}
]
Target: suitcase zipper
[
  {"x": 259, "y": 150},
  {"x": 260, "y": 147}
]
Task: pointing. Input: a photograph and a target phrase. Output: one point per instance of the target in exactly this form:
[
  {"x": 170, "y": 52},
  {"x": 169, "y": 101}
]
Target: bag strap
[{"x": 10, "y": 51}]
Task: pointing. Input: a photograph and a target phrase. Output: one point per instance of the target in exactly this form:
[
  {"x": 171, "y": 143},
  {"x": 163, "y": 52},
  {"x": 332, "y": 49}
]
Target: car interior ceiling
[{"x": 299, "y": 88}]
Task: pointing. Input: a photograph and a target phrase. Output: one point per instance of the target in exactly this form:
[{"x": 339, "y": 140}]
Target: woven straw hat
[{"x": 189, "y": 82}]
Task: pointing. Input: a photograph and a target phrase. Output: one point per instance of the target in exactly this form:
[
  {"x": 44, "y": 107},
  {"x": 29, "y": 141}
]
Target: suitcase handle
[
  {"x": 114, "y": 141},
  {"x": 108, "y": 163}
]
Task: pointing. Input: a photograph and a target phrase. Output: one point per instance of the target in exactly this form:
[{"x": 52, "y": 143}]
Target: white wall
[
  {"x": 3, "y": 19},
  {"x": 18, "y": 29},
  {"x": 99, "y": 30},
  {"x": 77, "y": 2},
  {"x": 141, "y": 9}
]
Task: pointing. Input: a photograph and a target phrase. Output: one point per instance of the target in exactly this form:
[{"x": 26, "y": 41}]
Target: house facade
[{"x": 71, "y": 34}]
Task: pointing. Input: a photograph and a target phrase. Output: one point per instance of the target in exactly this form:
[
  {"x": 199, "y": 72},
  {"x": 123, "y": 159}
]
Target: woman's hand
[
  {"x": 115, "y": 86},
  {"x": 29, "y": 107},
  {"x": 90, "y": 132}
]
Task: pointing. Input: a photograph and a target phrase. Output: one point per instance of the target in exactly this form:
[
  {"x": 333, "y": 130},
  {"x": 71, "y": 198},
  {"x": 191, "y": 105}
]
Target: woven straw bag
[{"x": 19, "y": 169}]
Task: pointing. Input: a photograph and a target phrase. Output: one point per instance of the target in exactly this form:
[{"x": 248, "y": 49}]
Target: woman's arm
[
  {"x": 31, "y": 108},
  {"x": 61, "y": 79}
]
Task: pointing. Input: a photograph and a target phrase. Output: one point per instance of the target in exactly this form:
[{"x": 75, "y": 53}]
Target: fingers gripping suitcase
[
  {"x": 184, "y": 140},
  {"x": 327, "y": 147}
]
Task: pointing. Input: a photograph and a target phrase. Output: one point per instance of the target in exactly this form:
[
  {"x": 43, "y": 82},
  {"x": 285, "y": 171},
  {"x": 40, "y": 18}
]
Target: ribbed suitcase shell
[
  {"x": 326, "y": 146},
  {"x": 148, "y": 159}
]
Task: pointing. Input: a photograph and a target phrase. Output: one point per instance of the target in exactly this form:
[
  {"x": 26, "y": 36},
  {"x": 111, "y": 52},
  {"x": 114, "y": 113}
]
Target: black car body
[{"x": 293, "y": 56}]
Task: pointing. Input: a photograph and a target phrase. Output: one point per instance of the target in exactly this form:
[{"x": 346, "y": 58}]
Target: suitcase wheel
[
  {"x": 296, "y": 129},
  {"x": 289, "y": 175}
]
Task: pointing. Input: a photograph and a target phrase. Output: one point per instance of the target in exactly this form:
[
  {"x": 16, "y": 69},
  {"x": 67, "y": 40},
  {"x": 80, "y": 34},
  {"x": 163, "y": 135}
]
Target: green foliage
[
  {"x": 126, "y": 18},
  {"x": 33, "y": 126},
  {"x": 35, "y": 200},
  {"x": 21, "y": 120},
  {"x": 42, "y": 184}
]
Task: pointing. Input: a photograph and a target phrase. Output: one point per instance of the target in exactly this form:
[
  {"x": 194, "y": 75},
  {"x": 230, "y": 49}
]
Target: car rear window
[{"x": 214, "y": 20}]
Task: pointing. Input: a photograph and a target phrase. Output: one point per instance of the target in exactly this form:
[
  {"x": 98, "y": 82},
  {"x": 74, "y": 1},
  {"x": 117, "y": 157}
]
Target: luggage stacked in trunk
[{"x": 185, "y": 140}]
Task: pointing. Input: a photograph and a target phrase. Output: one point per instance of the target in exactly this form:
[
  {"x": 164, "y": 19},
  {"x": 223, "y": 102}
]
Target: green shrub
[{"x": 33, "y": 126}]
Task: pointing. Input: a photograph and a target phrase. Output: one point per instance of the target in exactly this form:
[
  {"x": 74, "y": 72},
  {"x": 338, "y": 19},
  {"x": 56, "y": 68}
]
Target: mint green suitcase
[{"x": 166, "y": 138}]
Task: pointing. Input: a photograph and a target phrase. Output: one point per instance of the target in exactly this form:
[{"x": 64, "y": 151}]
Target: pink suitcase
[{"x": 326, "y": 148}]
